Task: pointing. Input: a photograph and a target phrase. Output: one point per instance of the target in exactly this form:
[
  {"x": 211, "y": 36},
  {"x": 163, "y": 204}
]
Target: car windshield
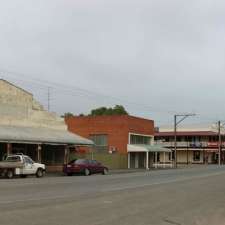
[{"x": 28, "y": 160}]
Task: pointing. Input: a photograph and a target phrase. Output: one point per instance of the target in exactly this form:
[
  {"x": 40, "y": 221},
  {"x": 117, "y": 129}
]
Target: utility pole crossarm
[{"x": 184, "y": 117}]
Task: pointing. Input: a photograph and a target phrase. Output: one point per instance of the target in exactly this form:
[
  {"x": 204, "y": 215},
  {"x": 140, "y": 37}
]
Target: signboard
[{"x": 215, "y": 144}]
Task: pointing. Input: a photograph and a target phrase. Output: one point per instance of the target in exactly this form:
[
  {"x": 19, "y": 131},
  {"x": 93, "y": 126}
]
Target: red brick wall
[{"x": 116, "y": 127}]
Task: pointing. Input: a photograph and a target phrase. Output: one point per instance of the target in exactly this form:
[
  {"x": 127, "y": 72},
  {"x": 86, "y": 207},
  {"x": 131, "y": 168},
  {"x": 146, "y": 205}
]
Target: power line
[
  {"x": 50, "y": 88},
  {"x": 76, "y": 91}
]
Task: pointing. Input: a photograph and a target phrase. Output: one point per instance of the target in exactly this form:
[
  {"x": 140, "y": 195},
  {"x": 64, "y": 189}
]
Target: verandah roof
[
  {"x": 15, "y": 134},
  {"x": 147, "y": 148}
]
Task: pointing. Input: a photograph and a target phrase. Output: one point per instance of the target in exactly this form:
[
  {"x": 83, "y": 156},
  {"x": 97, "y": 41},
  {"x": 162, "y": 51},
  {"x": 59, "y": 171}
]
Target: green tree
[
  {"x": 117, "y": 110},
  {"x": 67, "y": 114}
]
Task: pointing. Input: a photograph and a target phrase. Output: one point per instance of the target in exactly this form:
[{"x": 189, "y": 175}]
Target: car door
[
  {"x": 91, "y": 166},
  {"x": 29, "y": 167},
  {"x": 100, "y": 167},
  {"x": 97, "y": 166}
]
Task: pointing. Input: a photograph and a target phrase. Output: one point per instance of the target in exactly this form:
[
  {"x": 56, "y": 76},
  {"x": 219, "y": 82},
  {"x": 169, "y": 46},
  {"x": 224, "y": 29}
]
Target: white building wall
[
  {"x": 183, "y": 157},
  {"x": 19, "y": 108}
]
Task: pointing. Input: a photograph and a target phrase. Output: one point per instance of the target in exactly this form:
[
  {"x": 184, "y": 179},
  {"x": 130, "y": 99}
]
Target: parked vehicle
[
  {"x": 84, "y": 166},
  {"x": 20, "y": 165}
]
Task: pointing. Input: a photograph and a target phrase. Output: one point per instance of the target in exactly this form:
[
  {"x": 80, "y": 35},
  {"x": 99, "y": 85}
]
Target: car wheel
[
  {"x": 87, "y": 172},
  {"x": 105, "y": 171},
  {"x": 9, "y": 174},
  {"x": 40, "y": 173}
]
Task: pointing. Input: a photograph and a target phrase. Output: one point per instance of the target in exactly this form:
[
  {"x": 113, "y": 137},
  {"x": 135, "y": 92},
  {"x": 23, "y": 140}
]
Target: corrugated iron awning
[
  {"x": 147, "y": 148},
  {"x": 41, "y": 135}
]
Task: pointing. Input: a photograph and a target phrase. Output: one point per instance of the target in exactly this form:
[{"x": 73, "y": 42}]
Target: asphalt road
[{"x": 183, "y": 196}]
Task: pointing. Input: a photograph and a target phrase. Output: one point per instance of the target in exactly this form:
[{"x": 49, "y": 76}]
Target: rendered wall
[{"x": 19, "y": 108}]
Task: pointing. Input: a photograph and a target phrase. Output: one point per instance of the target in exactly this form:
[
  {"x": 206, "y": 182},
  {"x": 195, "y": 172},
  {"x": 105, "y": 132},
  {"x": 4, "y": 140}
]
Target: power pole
[
  {"x": 176, "y": 123},
  {"x": 175, "y": 141},
  {"x": 219, "y": 144}
]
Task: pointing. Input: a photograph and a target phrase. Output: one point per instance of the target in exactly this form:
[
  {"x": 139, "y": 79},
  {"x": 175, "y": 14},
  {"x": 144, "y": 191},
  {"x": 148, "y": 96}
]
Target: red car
[{"x": 84, "y": 166}]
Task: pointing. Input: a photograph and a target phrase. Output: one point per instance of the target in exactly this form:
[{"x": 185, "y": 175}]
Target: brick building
[{"x": 120, "y": 141}]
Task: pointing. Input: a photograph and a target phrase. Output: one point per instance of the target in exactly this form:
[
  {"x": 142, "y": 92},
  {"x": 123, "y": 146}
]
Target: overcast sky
[{"x": 156, "y": 57}]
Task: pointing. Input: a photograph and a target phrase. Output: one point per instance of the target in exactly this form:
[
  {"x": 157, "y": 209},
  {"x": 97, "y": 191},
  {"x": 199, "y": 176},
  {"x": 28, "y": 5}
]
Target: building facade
[
  {"x": 195, "y": 144},
  {"x": 114, "y": 137},
  {"x": 25, "y": 127}
]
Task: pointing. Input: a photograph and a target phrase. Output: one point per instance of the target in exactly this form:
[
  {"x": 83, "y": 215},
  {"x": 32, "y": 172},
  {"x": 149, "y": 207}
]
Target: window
[
  {"x": 13, "y": 159},
  {"x": 101, "y": 141},
  {"x": 196, "y": 155},
  {"x": 167, "y": 139},
  {"x": 81, "y": 161},
  {"x": 52, "y": 154},
  {"x": 94, "y": 162},
  {"x": 179, "y": 139},
  {"x": 28, "y": 160},
  {"x": 139, "y": 140}
]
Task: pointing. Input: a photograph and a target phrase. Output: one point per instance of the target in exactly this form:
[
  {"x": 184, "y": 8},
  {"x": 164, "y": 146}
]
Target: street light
[{"x": 176, "y": 122}]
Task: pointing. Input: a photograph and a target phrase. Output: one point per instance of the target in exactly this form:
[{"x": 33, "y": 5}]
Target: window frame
[
  {"x": 196, "y": 159},
  {"x": 104, "y": 146},
  {"x": 151, "y": 138}
]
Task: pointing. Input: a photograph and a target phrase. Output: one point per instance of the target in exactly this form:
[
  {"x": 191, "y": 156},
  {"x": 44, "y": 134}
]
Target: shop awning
[
  {"x": 32, "y": 135},
  {"x": 147, "y": 148}
]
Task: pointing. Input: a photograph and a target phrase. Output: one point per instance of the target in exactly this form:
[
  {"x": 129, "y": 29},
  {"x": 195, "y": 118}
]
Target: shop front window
[{"x": 196, "y": 156}]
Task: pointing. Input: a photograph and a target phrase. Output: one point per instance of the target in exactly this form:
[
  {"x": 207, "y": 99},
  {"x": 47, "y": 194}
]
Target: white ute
[{"x": 20, "y": 165}]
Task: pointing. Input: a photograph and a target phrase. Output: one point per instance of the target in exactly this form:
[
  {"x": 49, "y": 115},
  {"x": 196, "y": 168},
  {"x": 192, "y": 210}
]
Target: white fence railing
[{"x": 185, "y": 144}]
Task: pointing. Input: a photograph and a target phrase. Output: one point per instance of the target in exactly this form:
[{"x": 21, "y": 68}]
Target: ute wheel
[
  {"x": 9, "y": 174},
  {"x": 40, "y": 173},
  {"x": 87, "y": 172},
  {"x": 105, "y": 171}
]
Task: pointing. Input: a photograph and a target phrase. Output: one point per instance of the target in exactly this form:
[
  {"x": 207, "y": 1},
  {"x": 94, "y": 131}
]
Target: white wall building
[
  {"x": 26, "y": 127},
  {"x": 196, "y": 144}
]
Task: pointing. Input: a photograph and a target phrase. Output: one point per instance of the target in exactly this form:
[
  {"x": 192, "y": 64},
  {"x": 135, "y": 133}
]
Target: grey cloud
[{"x": 165, "y": 54}]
